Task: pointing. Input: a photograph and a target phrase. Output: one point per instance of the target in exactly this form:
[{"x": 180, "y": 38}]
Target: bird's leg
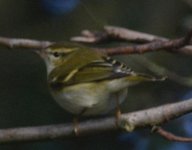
[
  {"x": 75, "y": 125},
  {"x": 76, "y": 122},
  {"x": 118, "y": 110}
]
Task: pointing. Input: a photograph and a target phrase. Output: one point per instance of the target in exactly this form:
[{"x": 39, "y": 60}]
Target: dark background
[{"x": 24, "y": 97}]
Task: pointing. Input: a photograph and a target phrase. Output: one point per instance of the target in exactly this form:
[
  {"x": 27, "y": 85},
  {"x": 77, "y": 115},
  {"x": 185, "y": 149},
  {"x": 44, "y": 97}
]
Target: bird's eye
[{"x": 56, "y": 54}]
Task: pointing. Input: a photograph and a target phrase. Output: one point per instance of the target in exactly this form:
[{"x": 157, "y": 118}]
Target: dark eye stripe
[{"x": 56, "y": 54}]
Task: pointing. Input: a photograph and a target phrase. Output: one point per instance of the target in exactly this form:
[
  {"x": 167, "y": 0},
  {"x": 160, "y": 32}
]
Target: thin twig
[
  {"x": 170, "y": 136},
  {"x": 129, "y": 121},
  {"x": 153, "y": 46},
  {"x": 24, "y": 43},
  {"x": 118, "y": 33},
  {"x": 91, "y": 37},
  {"x": 131, "y": 35},
  {"x": 135, "y": 36},
  {"x": 153, "y": 42}
]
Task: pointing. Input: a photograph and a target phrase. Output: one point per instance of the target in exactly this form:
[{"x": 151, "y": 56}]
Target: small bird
[{"x": 87, "y": 82}]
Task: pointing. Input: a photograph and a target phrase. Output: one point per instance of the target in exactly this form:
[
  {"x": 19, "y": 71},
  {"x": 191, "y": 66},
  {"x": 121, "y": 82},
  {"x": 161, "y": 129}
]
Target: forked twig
[{"x": 170, "y": 136}]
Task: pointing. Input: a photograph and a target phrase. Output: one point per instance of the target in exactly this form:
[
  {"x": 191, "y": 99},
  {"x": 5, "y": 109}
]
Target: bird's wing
[{"x": 97, "y": 70}]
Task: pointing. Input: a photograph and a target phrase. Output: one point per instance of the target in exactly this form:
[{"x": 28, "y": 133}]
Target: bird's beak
[{"x": 41, "y": 53}]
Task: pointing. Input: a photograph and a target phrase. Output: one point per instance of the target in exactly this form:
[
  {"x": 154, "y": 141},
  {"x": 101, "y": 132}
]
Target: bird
[{"x": 86, "y": 82}]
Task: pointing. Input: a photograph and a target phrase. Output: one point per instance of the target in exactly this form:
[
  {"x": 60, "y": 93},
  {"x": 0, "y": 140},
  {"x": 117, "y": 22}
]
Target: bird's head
[{"x": 57, "y": 54}]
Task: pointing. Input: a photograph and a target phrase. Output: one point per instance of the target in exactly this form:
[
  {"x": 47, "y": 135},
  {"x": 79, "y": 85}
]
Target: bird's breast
[{"x": 94, "y": 98}]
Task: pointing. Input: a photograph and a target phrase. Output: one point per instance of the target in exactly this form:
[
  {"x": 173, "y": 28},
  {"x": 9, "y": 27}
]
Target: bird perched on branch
[{"x": 87, "y": 82}]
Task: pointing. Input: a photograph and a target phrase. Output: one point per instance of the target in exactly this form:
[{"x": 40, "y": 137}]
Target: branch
[
  {"x": 153, "y": 42},
  {"x": 24, "y": 43},
  {"x": 116, "y": 33},
  {"x": 153, "y": 46},
  {"x": 128, "y": 121},
  {"x": 170, "y": 136},
  {"x": 131, "y": 35}
]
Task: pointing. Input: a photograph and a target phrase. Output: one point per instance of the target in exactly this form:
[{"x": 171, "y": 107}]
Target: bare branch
[
  {"x": 23, "y": 43},
  {"x": 169, "y": 45},
  {"x": 170, "y": 136},
  {"x": 153, "y": 42},
  {"x": 91, "y": 37},
  {"x": 135, "y": 36},
  {"x": 112, "y": 32},
  {"x": 131, "y": 35},
  {"x": 129, "y": 121}
]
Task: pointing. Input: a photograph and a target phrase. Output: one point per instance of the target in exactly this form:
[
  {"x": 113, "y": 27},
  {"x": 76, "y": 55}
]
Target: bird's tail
[{"x": 139, "y": 77}]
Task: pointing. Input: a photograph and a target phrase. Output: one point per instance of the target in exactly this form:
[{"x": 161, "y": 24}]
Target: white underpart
[{"x": 96, "y": 98}]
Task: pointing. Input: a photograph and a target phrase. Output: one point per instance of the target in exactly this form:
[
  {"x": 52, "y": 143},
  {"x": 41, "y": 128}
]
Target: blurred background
[{"x": 24, "y": 96}]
